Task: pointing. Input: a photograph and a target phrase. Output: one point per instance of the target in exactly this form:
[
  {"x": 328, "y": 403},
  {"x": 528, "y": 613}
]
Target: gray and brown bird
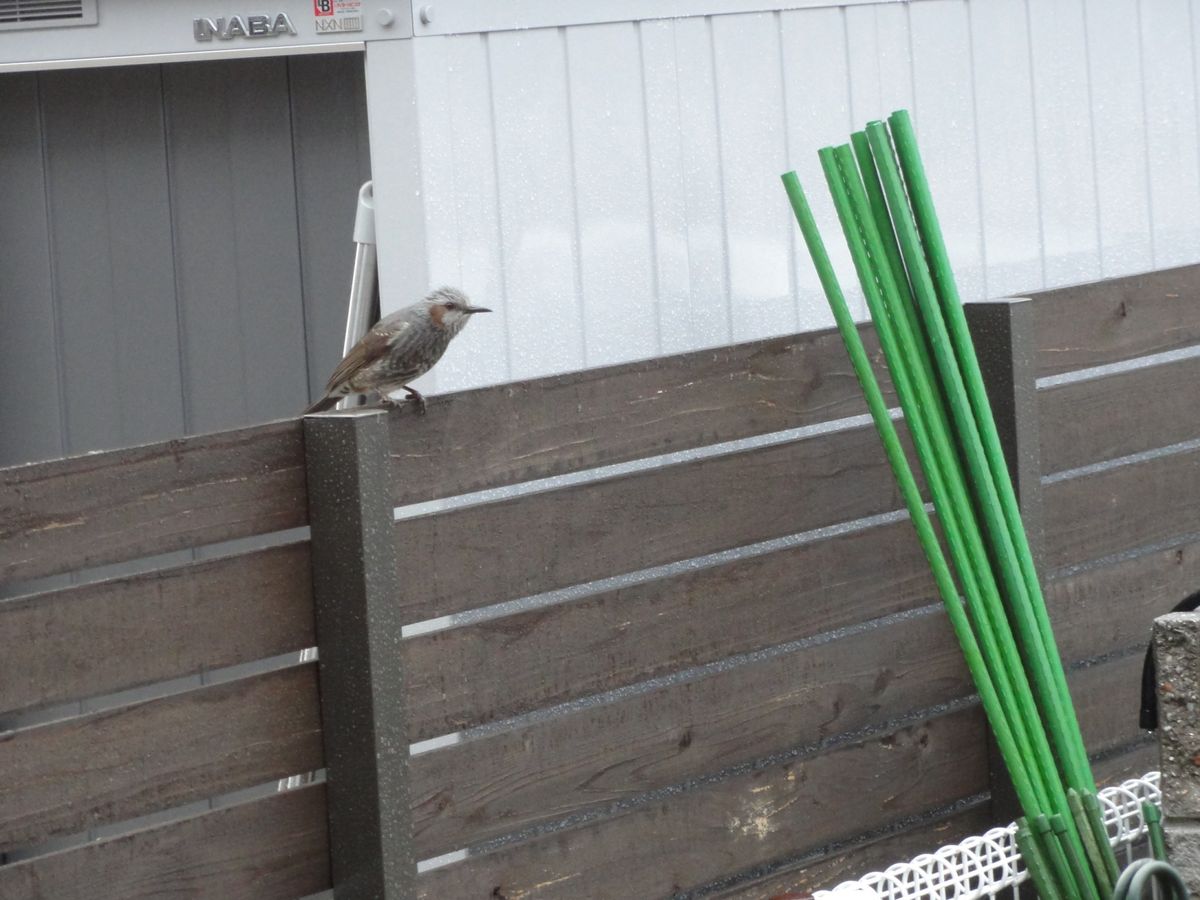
[{"x": 399, "y": 349}]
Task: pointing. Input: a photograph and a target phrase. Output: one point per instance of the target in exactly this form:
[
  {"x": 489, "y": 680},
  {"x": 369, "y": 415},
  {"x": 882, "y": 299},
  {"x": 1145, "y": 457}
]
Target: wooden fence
[{"x": 755, "y": 689}]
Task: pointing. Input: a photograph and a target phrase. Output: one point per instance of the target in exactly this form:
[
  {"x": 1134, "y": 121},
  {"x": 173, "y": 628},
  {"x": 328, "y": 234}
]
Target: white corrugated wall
[{"x": 612, "y": 189}]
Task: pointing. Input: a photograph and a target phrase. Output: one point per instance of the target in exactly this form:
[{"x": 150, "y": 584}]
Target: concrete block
[
  {"x": 1177, "y": 661},
  {"x": 1183, "y": 850}
]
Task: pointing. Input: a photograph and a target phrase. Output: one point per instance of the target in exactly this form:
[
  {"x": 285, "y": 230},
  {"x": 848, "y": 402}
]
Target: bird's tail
[{"x": 326, "y": 402}]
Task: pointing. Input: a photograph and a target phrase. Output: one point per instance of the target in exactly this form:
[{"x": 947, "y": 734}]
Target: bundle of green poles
[{"x": 983, "y": 567}]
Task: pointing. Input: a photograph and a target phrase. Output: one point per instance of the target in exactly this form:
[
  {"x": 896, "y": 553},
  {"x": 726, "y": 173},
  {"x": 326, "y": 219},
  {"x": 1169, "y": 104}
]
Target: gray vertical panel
[
  {"x": 236, "y": 250},
  {"x": 31, "y": 416},
  {"x": 111, "y": 254},
  {"x": 333, "y": 159},
  {"x": 30, "y": 413}
]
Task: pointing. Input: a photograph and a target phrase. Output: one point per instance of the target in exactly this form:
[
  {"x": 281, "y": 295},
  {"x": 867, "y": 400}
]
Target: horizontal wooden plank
[
  {"x": 124, "y": 504},
  {"x": 1110, "y": 608},
  {"x": 1119, "y": 318},
  {"x": 486, "y": 787},
  {"x": 65, "y": 777},
  {"x": 1083, "y": 422},
  {"x": 596, "y": 755},
  {"x": 1140, "y": 758},
  {"x": 475, "y": 555},
  {"x": 532, "y": 429},
  {"x": 126, "y": 632},
  {"x": 541, "y": 657},
  {"x": 271, "y": 849},
  {"x": 696, "y": 836},
  {"x": 872, "y": 853},
  {"x": 1107, "y": 699},
  {"x": 1121, "y": 508},
  {"x": 1094, "y": 688}
]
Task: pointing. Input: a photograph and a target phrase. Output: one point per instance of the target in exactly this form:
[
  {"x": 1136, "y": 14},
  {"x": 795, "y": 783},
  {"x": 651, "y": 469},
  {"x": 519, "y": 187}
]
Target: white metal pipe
[{"x": 362, "y": 279}]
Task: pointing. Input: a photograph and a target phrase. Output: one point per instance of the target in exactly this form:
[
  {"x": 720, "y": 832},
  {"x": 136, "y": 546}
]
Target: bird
[{"x": 400, "y": 348}]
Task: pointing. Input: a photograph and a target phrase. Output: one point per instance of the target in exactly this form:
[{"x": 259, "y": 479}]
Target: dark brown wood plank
[
  {"x": 486, "y": 787},
  {"x": 475, "y": 555},
  {"x": 1135, "y": 762},
  {"x": 877, "y": 853},
  {"x": 1107, "y": 699},
  {"x": 271, "y": 849},
  {"x": 502, "y": 667},
  {"x": 1089, "y": 421},
  {"x": 1110, "y": 608},
  {"x": 65, "y": 777},
  {"x": 124, "y": 504},
  {"x": 126, "y": 632},
  {"x": 716, "y": 829},
  {"x": 593, "y": 756},
  {"x": 532, "y": 429},
  {"x": 1122, "y": 508},
  {"x": 1098, "y": 691},
  {"x": 873, "y": 853},
  {"x": 1119, "y": 318},
  {"x": 507, "y": 666}
]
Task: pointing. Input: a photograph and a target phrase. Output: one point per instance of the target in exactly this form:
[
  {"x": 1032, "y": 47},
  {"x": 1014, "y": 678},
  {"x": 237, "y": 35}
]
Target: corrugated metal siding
[
  {"x": 613, "y": 189},
  {"x": 174, "y": 246}
]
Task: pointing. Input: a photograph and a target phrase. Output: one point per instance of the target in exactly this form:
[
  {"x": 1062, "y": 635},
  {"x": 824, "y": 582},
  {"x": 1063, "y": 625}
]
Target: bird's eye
[{"x": 450, "y": 304}]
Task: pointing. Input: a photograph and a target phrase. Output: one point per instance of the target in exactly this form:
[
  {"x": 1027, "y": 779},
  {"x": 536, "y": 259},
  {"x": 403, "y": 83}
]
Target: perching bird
[{"x": 400, "y": 348}]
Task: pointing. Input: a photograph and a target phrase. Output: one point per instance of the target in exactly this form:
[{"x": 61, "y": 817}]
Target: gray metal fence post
[
  {"x": 355, "y": 587},
  {"x": 1003, "y": 335},
  {"x": 1004, "y": 342}
]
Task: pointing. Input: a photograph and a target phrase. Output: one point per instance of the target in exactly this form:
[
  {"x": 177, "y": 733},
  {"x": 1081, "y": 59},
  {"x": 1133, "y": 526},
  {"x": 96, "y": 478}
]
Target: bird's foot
[{"x": 418, "y": 399}]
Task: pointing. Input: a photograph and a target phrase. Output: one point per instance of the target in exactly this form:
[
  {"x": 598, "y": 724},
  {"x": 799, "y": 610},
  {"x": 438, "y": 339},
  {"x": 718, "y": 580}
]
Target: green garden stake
[
  {"x": 928, "y": 423},
  {"x": 1056, "y": 855},
  {"x": 919, "y": 405},
  {"x": 908, "y": 487},
  {"x": 1035, "y": 862},
  {"x": 921, "y": 412},
  {"x": 1095, "y": 816},
  {"x": 947, "y": 292},
  {"x": 1079, "y": 870},
  {"x": 885, "y": 209},
  {"x": 966, "y": 428},
  {"x": 1090, "y": 845},
  {"x": 1153, "y": 819}
]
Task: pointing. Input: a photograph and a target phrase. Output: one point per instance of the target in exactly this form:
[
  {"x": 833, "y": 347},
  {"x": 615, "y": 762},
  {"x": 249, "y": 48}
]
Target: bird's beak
[{"x": 471, "y": 310}]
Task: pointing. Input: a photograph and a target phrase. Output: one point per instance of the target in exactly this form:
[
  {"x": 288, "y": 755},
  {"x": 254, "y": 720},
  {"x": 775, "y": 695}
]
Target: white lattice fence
[{"x": 989, "y": 864}]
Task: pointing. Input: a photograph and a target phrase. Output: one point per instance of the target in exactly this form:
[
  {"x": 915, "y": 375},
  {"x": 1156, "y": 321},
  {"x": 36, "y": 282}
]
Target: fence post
[
  {"x": 1002, "y": 331},
  {"x": 355, "y": 588}
]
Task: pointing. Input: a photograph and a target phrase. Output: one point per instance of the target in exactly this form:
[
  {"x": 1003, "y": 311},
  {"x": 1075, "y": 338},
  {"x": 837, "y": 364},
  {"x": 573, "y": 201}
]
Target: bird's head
[{"x": 450, "y": 308}]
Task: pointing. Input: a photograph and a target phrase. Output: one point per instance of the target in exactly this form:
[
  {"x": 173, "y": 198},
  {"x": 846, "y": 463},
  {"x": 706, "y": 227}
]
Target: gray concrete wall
[{"x": 1177, "y": 662}]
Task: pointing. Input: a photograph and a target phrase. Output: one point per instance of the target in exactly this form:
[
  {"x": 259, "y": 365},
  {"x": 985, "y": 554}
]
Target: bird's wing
[
  {"x": 373, "y": 345},
  {"x": 408, "y": 342}
]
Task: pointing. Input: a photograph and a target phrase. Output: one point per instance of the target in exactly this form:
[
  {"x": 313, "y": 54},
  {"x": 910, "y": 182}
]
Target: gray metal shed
[{"x": 174, "y": 245}]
